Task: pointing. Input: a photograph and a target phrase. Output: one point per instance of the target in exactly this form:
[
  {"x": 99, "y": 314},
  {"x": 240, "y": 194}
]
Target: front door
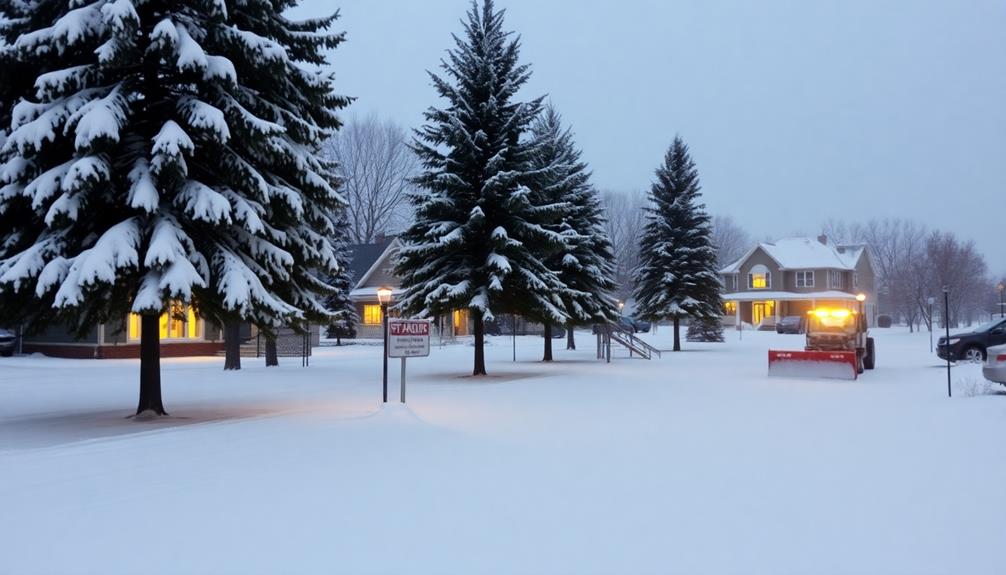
[{"x": 761, "y": 310}]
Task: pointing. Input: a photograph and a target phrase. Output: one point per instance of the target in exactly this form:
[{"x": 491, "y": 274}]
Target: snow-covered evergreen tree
[
  {"x": 478, "y": 229},
  {"x": 344, "y": 317},
  {"x": 584, "y": 263},
  {"x": 166, "y": 151},
  {"x": 676, "y": 276},
  {"x": 705, "y": 330}
]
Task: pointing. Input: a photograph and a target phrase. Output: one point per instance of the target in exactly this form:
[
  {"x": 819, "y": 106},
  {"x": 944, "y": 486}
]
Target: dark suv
[
  {"x": 971, "y": 346},
  {"x": 791, "y": 324}
]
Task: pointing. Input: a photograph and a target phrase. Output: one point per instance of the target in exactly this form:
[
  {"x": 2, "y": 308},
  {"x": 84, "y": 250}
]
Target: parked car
[
  {"x": 8, "y": 341},
  {"x": 632, "y": 324},
  {"x": 995, "y": 364},
  {"x": 884, "y": 320},
  {"x": 791, "y": 324},
  {"x": 641, "y": 325},
  {"x": 973, "y": 345}
]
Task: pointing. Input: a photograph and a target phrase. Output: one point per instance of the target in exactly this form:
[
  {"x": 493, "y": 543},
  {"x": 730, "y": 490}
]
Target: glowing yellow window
[
  {"x": 730, "y": 307},
  {"x": 759, "y": 281},
  {"x": 371, "y": 314},
  {"x": 179, "y": 323}
]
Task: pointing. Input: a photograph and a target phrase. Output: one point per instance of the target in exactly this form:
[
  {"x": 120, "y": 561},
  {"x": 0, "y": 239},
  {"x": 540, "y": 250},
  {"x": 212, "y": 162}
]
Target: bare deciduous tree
[
  {"x": 625, "y": 219},
  {"x": 731, "y": 241},
  {"x": 375, "y": 165},
  {"x": 915, "y": 264},
  {"x": 958, "y": 266}
]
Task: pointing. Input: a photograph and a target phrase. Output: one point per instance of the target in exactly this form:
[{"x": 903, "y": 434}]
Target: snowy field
[{"x": 694, "y": 463}]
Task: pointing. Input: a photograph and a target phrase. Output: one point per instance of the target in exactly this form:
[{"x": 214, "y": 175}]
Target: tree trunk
[
  {"x": 271, "y": 357},
  {"x": 548, "y": 342},
  {"x": 570, "y": 342},
  {"x": 150, "y": 365},
  {"x": 232, "y": 345},
  {"x": 480, "y": 342},
  {"x": 677, "y": 333}
]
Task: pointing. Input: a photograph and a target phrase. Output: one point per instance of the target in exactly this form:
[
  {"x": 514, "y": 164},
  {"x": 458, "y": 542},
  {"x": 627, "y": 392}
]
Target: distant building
[
  {"x": 372, "y": 267},
  {"x": 793, "y": 275},
  {"x": 183, "y": 333}
]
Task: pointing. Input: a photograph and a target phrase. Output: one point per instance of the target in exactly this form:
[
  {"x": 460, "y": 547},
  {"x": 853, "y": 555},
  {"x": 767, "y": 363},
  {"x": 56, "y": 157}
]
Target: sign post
[{"x": 408, "y": 338}]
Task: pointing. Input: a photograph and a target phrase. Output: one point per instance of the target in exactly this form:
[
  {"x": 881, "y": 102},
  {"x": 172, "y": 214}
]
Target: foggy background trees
[
  {"x": 375, "y": 164},
  {"x": 914, "y": 263}
]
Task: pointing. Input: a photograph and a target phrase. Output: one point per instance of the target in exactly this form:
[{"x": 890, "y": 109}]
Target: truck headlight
[{"x": 953, "y": 341}]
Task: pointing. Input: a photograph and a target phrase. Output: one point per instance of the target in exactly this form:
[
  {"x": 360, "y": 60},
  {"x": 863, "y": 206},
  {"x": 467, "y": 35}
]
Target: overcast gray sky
[{"x": 796, "y": 110}]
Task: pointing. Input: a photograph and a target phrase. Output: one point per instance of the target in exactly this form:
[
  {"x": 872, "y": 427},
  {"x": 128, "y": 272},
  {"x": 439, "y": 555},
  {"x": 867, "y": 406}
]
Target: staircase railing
[{"x": 624, "y": 337}]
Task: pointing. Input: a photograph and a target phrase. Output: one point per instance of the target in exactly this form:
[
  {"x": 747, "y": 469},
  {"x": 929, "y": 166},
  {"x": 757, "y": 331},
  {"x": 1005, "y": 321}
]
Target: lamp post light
[
  {"x": 384, "y": 296},
  {"x": 1001, "y": 287},
  {"x": 946, "y": 322},
  {"x": 621, "y": 305},
  {"x": 931, "y": 300}
]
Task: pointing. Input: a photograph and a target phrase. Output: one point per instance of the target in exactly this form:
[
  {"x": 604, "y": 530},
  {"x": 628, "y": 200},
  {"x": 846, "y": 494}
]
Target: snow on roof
[
  {"x": 371, "y": 293},
  {"x": 804, "y": 253},
  {"x": 788, "y": 296}
]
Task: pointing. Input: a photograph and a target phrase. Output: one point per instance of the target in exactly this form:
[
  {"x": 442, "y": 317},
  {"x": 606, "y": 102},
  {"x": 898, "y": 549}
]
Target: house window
[
  {"x": 835, "y": 279},
  {"x": 733, "y": 282},
  {"x": 179, "y": 322},
  {"x": 855, "y": 280},
  {"x": 759, "y": 278},
  {"x": 372, "y": 314},
  {"x": 805, "y": 279},
  {"x": 729, "y": 308}
]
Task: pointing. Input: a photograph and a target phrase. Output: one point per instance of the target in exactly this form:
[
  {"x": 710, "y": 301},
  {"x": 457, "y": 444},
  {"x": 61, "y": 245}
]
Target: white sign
[{"x": 408, "y": 337}]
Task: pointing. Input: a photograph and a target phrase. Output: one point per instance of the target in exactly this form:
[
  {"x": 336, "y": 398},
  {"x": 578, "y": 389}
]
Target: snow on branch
[
  {"x": 204, "y": 203},
  {"x": 115, "y": 249},
  {"x": 203, "y": 116}
]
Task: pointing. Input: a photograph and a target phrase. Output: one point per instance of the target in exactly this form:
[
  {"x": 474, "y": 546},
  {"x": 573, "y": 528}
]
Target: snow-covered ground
[{"x": 693, "y": 463}]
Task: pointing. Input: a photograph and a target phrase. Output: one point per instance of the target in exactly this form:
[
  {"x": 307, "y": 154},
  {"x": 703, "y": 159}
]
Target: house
[
  {"x": 183, "y": 333},
  {"x": 372, "y": 267},
  {"x": 792, "y": 276}
]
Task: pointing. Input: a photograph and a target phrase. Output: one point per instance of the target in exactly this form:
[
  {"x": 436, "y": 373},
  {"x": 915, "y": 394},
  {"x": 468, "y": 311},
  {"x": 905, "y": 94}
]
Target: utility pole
[{"x": 946, "y": 321}]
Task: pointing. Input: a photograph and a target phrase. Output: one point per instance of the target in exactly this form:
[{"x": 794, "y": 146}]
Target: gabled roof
[
  {"x": 804, "y": 253},
  {"x": 363, "y": 258}
]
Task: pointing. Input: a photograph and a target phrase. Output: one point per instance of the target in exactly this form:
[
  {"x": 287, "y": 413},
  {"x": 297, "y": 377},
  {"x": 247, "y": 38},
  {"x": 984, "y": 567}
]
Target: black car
[
  {"x": 972, "y": 345},
  {"x": 7, "y": 343},
  {"x": 791, "y": 324}
]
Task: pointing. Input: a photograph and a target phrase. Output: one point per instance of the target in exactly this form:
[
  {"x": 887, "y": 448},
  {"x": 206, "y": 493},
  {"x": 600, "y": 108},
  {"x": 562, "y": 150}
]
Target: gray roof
[{"x": 363, "y": 256}]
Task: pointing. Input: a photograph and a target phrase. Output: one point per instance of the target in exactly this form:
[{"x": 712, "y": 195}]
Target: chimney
[{"x": 823, "y": 239}]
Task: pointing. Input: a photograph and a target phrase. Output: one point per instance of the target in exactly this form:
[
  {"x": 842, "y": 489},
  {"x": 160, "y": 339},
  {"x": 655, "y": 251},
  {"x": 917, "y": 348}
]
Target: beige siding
[{"x": 759, "y": 257}]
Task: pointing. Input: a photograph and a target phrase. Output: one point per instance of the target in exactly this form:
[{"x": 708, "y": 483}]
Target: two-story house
[{"x": 792, "y": 276}]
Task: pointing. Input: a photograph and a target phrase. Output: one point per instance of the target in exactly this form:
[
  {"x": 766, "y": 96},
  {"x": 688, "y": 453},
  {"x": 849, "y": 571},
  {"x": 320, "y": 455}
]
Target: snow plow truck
[{"x": 838, "y": 346}]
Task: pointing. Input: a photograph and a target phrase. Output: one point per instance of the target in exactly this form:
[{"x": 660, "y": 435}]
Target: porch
[{"x": 762, "y": 310}]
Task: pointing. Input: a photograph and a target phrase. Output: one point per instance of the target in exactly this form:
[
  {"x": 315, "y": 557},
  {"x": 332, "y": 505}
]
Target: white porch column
[{"x": 737, "y": 313}]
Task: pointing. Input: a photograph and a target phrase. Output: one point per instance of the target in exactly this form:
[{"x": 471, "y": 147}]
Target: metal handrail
[{"x": 635, "y": 340}]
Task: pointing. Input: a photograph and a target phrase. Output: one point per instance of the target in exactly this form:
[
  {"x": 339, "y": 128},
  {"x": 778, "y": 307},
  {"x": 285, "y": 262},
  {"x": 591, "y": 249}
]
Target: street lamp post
[
  {"x": 384, "y": 296},
  {"x": 931, "y": 301},
  {"x": 946, "y": 321},
  {"x": 1001, "y": 287}
]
